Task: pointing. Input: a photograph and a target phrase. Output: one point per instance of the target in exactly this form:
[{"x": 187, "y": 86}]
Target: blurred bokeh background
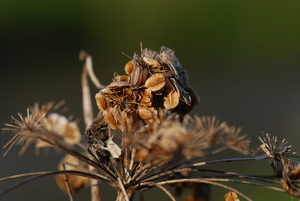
[{"x": 243, "y": 59}]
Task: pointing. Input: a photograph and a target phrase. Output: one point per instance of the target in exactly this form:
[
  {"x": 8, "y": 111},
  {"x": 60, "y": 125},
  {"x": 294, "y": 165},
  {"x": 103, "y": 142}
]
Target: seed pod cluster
[{"x": 153, "y": 80}]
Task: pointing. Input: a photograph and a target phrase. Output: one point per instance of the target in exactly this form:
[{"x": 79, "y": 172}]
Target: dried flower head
[
  {"x": 270, "y": 149},
  {"x": 220, "y": 133},
  {"x": 154, "y": 80},
  {"x": 41, "y": 124},
  {"x": 167, "y": 138},
  {"x": 58, "y": 126},
  {"x": 291, "y": 177},
  {"x": 23, "y": 130}
]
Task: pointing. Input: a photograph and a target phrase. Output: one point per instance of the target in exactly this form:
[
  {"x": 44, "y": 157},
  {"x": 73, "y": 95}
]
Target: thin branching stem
[
  {"x": 191, "y": 167},
  {"x": 197, "y": 180},
  {"x": 38, "y": 175},
  {"x": 221, "y": 161},
  {"x": 245, "y": 182},
  {"x": 68, "y": 184},
  {"x": 162, "y": 188}
]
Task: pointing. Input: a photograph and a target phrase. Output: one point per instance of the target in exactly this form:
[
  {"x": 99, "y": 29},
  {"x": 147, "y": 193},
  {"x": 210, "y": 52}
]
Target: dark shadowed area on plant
[{"x": 242, "y": 59}]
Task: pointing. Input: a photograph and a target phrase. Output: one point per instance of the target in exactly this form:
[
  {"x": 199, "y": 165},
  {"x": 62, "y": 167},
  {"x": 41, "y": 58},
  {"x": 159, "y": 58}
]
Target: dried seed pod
[
  {"x": 168, "y": 56},
  {"x": 119, "y": 85},
  {"x": 151, "y": 62},
  {"x": 110, "y": 119},
  {"x": 231, "y": 196},
  {"x": 149, "y": 53},
  {"x": 146, "y": 115},
  {"x": 130, "y": 118},
  {"x": 146, "y": 98},
  {"x": 129, "y": 67},
  {"x": 138, "y": 76},
  {"x": 101, "y": 101},
  {"x": 121, "y": 78},
  {"x": 171, "y": 100},
  {"x": 169, "y": 86},
  {"x": 156, "y": 82}
]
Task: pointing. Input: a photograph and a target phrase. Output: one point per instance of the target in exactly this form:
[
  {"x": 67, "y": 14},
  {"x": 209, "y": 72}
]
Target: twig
[{"x": 68, "y": 184}]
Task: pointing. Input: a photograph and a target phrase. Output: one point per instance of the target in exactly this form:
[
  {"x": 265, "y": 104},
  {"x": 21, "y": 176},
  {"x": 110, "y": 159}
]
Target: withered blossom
[
  {"x": 291, "y": 177},
  {"x": 58, "y": 126},
  {"x": 220, "y": 133},
  {"x": 154, "y": 80},
  {"x": 143, "y": 136},
  {"x": 40, "y": 123},
  {"x": 270, "y": 149},
  {"x": 23, "y": 129},
  {"x": 168, "y": 138}
]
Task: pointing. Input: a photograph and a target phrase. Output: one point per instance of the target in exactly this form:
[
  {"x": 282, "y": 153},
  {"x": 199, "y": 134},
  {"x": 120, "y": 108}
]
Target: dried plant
[{"x": 143, "y": 137}]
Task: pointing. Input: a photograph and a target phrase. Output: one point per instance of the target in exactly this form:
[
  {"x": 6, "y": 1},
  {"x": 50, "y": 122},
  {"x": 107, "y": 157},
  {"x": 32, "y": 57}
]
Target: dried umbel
[
  {"x": 42, "y": 124},
  {"x": 270, "y": 149},
  {"x": 154, "y": 80},
  {"x": 291, "y": 177},
  {"x": 167, "y": 139},
  {"x": 144, "y": 138}
]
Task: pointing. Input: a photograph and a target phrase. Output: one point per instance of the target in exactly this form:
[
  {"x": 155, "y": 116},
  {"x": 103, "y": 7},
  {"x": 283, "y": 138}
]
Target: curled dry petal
[
  {"x": 129, "y": 67},
  {"x": 110, "y": 119},
  {"x": 101, "y": 101},
  {"x": 171, "y": 100},
  {"x": 155, "y": 82}
]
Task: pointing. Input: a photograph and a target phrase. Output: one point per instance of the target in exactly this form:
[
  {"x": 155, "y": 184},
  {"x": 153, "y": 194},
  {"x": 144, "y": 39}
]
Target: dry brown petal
[
  {"x": 138, "y": 76},
  {"x": 129, "y": 67},
  {"x": 119, "y": 85},
  {"x": 101, "y": 101},
  {"x": 261, "y": 153},
  {"x": 169, "y": 86},
  {"x": 110, "y": 119},
  {"x": 231, "y": 196},
  {"x": 146, "y": 98},
  {"x": 149, "y": 53},
  {"x": 147, "y": 114},
  {"x": 121, "y": 78},
  {"x": 130, "y": 118},
  {"x": 168, "y": 56},
  {"x": 152, "y": 62},
  {"x": 155, "y": 82},
  {"x": 171, "y": 100},
  {"x": 76, "y": 182}
]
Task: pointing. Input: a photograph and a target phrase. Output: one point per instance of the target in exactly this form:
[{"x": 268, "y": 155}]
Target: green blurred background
[{"x": 242, "y": 58}]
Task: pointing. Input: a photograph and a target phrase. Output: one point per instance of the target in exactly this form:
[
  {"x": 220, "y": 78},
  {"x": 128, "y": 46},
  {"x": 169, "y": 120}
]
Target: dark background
[{"x": 242, "y": 58}]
